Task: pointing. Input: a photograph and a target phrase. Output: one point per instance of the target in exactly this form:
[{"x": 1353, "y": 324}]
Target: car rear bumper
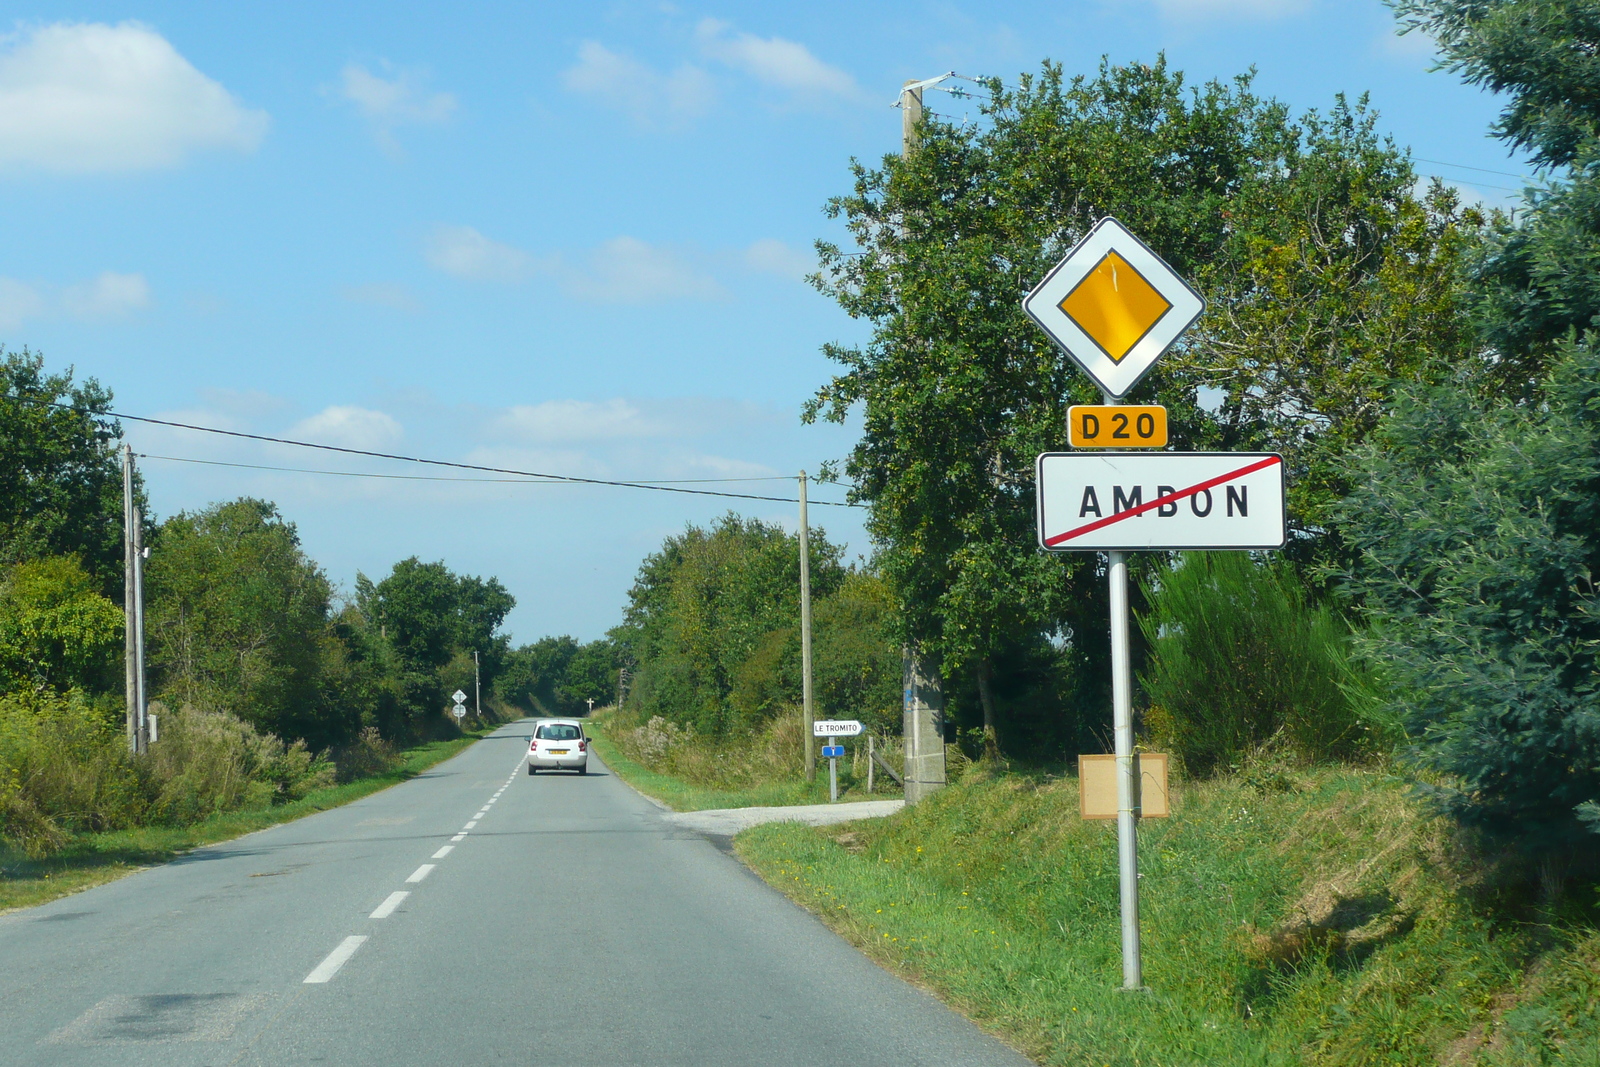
[{"x": 570, "y": 762}]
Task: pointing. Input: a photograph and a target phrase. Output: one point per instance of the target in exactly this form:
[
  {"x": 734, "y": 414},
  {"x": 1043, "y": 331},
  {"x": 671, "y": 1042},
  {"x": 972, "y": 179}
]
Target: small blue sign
[{"x": 832, "y": 751}]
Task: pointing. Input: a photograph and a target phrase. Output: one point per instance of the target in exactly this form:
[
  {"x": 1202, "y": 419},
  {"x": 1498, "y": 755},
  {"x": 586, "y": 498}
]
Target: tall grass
[
  {"x": 65, "y": 769},
  {"x": 763, "y": 767},
  {"x": 1320, "y": 921}
]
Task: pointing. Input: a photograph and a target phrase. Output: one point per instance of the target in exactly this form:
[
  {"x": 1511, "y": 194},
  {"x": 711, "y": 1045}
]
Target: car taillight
[{"x": 580, "y": 746}]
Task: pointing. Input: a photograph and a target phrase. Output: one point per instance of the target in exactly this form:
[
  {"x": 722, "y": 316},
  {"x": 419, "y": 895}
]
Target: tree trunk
[{"x": 991, "y": 740}]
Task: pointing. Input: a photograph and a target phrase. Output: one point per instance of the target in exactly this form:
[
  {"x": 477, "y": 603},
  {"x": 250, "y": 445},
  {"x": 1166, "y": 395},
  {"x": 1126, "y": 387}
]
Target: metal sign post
[
  {"x": 1115, "y": 307},
  {"x": 834, "y": 728}
]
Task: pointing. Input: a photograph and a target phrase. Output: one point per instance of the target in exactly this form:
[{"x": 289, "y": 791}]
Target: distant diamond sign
[
  {"x": 459, "y": 697},
  {"x": 1114, "y": 306}
]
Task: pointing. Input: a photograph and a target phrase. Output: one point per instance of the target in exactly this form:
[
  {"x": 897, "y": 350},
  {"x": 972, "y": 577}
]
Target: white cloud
[
  {"x": 108, "y": 295},
  {"x": 576, "y": 420},
  {"x": 773, "y": 60},
  {"x": 390, "y": 102},
  {"x": 88, "y": 97},
  {"x": 650, "y": 97},
  {"x": 774, "y": 257},
  {"x": 465, "y": 253},
  {"x": 350, "y": 427},
  {"x": 626, "y": 270},
  {"x": 18, "y": 303},
  {"x": 623, "y": 270}
]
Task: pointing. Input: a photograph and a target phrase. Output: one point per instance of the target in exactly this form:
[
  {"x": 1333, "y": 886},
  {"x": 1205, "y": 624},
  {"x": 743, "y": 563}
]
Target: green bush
[
  {"x": 1239, "y": 659},
  {"x": 64, "y": 766},
  {"x": 1477, "y": 530}
]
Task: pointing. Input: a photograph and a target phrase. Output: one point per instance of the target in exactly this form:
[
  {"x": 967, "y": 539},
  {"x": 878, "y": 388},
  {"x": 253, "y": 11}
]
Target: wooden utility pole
[{"x": 807, "y": 710}]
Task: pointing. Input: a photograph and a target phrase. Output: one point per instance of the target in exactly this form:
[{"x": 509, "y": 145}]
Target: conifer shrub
[{"x": 1239, "y": 659}]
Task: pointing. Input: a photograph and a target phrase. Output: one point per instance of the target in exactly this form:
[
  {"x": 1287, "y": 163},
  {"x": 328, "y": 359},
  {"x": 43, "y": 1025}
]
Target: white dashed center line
[
  {"x": 421, "y": 872},
  {"x": 443, "y": 852},
  {"x": 390, "y": 903},
  {"x": 336, "y": 959},
  {"x": 458, "y": 837},
  {"x": 470, "y": 825}
]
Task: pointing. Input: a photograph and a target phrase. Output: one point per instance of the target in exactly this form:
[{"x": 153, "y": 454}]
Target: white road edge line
[
  {"x": 336, "y": 959},
  {"x": 421, "y": 872},
  {"x": 443, "y": 852},
  {"x": 391, "y": 902}
]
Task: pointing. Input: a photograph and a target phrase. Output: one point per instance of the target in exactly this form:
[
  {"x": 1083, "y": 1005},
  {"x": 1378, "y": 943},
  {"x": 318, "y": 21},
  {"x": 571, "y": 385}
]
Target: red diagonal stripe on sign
[{"x": 1209, "y": 483}]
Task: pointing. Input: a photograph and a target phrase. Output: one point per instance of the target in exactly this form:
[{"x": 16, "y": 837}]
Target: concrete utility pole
[
  {"x": 477, "y": 687},
  {"x": 923, "y": 723},
  {"x": 129, "y": 628},
  {"x": 807, "y": 710},
  {"x": 1127, "y": 764},
  {"x": 141, "y": 732}
]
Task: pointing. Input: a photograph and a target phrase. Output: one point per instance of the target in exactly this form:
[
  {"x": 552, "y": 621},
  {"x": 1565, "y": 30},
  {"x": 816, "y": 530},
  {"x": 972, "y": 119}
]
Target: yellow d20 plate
[{"x": 1117, "y": 426}]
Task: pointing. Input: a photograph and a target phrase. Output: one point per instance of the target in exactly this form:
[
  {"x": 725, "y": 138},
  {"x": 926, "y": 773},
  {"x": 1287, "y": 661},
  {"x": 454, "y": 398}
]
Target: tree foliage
[
  {"x": 237, "y": 619},
  {"x": 1328, "y": 278},
  {"x": 60, "y": 478},
  {"x": 559, "y": 675},
  {"x": 56, "y": 630},
  {"x": 1480, "y": 541},
  {"x": 1538, "y": 279},
  {"x": 704, "y": 604}
]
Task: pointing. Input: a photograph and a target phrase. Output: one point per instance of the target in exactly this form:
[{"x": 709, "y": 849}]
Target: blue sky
[{"x": 558, "y": 237}]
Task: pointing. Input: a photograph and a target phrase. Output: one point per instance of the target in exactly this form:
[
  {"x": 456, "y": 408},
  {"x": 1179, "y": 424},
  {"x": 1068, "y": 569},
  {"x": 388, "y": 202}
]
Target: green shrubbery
[
  {"x": 65, "y": 768},
  {"x": 1240, "y": 660}
]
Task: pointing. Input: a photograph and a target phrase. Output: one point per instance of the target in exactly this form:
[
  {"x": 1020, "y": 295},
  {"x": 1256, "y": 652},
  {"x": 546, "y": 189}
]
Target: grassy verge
[
  {"x": 683, "y": 795},
  {"x": 94, "y": 859},
  {"x": 1305, "y": 918}
]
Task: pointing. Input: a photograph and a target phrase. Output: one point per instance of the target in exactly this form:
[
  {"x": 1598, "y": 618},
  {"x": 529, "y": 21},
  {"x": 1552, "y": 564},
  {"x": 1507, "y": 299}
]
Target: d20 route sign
[
  {"x": 1114, "y": 305},
  {"x": 1160, "y": 500}
]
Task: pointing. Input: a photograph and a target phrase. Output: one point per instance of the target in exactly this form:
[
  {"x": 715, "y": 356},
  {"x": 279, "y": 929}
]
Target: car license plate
[{"x": 559, "y": 751}]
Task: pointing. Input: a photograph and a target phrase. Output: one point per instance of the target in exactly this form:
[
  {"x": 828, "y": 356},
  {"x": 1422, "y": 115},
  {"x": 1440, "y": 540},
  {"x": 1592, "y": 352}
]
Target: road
[{"x": 474, "y": 915}]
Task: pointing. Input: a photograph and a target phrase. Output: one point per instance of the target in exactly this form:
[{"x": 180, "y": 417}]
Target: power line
[
  {"x": 539, "y": 480},
  {"x": 1463, "y": 166},
  {"x": 572, "y": 478}
]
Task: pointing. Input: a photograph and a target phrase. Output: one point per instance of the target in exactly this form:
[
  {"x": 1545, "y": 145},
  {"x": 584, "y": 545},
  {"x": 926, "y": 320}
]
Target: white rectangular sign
[
  {"x": 835, "y": 728},
  {"x": 1160, "y": 500}
]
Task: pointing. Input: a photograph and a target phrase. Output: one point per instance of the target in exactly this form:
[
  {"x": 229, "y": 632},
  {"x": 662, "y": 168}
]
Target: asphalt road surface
[{"x": 474, "y": 915}]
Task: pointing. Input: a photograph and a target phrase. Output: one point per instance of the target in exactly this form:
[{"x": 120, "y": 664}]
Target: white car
[{"x": 558, "y": 744}]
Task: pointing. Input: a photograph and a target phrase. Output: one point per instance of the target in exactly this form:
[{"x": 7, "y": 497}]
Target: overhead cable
[{"x": 571, "y": 478}]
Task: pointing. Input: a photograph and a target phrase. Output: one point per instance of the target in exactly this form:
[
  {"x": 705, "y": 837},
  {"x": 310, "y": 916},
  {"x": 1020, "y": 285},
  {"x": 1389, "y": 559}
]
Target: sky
[{"x": 565, "y": 238}]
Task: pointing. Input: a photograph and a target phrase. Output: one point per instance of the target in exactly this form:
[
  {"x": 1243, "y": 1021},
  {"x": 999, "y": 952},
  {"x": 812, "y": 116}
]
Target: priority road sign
[
  {"x": 1160, "y": 500},
  {"x": 1117, "y": 426},
  {"x": 835, "y": 728},
  {"x": 458, "y": 696},
  {"x": 1114, "y": 305}
]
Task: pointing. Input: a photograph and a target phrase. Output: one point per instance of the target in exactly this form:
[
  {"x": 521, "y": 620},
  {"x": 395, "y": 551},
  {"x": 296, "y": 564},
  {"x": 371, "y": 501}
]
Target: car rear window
[{"x": 558, "y": 732}]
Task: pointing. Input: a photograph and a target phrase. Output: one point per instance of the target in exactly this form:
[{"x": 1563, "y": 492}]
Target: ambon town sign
[{"x": 1131, "y": 501}]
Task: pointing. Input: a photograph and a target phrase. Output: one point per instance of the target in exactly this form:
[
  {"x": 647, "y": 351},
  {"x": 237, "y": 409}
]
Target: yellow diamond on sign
[{"x": 1115, "y": 306}]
